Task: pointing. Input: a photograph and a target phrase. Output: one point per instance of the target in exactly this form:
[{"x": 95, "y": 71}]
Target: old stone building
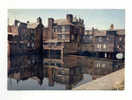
[
  {"x": 25, "y": 37},
  {"x": 87, "y": 41},
  {"x": 120, "y": 41},
  {"x": 26, "y": 67},
  {"x": 62, "y": 71},
  {"x": 64, "y": 30},
  {"x": 112, "y": 40},
  {"x": 64, "y": 33},
  {"x": 105, "y": 43}
]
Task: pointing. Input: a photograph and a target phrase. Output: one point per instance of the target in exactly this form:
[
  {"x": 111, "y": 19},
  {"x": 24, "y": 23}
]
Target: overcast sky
[{"x": 99, "y": 18}]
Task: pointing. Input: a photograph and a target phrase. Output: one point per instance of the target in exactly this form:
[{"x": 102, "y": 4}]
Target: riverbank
[{"x": 113, "y": 81}]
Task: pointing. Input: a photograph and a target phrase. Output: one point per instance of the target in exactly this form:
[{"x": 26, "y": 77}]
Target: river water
[{"x": 34, "y": 72}]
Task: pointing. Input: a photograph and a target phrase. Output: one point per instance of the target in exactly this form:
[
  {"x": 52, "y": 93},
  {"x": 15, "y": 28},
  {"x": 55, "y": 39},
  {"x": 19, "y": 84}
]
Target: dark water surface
[{"x": 33, "y": 72}]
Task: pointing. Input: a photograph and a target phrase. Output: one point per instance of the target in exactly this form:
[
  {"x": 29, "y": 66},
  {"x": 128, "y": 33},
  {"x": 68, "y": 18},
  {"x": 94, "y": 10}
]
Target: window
[
  {"x": 120, "y": 39},
  {"x": 21, "y": 46},
  {"x": 98, "y": 65},
  {"x": 55, "y": 29},
  {"x": 63, "y": 36},
  {"x": 32, "y": 45},
  {"x": 90, "y": 37},
  {"x": 28, "y": 44},
  {"x": 103, "y": 65},
  {"x": 118, "y": 46},
  {"x": 104, "y": 46},
  {"x": 98, "y": 45},
  {"x": 107, "y": 38},
  {"x": 67, "y": 28},
  {"x": 100, "y": 39},
  {"x": 63, "y": 28},
  {"x": 59, "y": 28},
  {"x": 59, "y": 36}
]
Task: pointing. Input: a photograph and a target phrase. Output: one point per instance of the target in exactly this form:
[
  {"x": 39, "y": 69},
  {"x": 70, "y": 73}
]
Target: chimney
[
  {"x": 39, "y": 20},
  {"x": 50, "y": 22},
  {"x": 16, "y": 22},
  {"x": 112, "y": 27},
  {"x": 28, "y": 22},
  {"x": 93, "y": 30},
  {"x": 69, "y": 18}
]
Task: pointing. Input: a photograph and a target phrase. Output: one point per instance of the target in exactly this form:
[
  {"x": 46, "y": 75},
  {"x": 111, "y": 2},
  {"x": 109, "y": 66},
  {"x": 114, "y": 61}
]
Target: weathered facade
[
  {"x": 62, "y": 71},
  {"x": 27, "y": 37},
  {"x": 98, "y": 67},
  {"x": 87, "y": 42},
  {"x": 105, "y": 43},
  {"x": 120, "y": 41},
  {"x": 110, "y": 41},
  {"x": 26, "y": 67},
  {"x": 67, "y": 32},
  {"x": 64, "y": 30}
]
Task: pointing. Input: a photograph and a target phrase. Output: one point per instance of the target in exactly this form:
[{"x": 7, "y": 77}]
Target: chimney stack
[
  {"x": 69, "y": 17},
  {"x": 39, "y": 20},
  {"x": 93, "y": 30},
  {"x": 16, "y": 22},
  {"x": 112, "y": 27},
  {"x": 50, "y": 22}
]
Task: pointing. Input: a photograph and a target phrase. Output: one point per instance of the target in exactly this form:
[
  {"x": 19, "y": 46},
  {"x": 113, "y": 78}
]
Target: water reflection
[{"x": 33, "y": 72}]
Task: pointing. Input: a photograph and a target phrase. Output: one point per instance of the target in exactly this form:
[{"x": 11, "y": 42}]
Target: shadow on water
[{"x": 34, "y": 72}]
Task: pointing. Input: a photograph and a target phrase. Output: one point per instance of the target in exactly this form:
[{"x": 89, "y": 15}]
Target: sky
[{"x": 98, "y": 18}]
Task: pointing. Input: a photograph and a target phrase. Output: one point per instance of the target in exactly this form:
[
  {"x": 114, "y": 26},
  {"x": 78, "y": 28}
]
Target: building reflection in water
[
  {"x": 56, "y": 73},
  {"x": 65, "y": 71}
]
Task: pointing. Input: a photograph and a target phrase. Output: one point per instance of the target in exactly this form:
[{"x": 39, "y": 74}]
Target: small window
[
  {"x": 63, "y": 36},
  {"x": 98, "y": 65},
  {"x": 32, "y": 45},
  {"x": 120, "y": 39},
  {"x": 118, "y": 46},
  {"x": 28, "y": 44},
  {"x": 98, "y": 46},
  {"x": 90, "y": 37},
  {"x": 63, "y": 28},
  {"x": 104, "y": 46},
  {"x": 103, "y": 65},
  {"x": 107, "y": 38},
  {"x": 100, "y": 39}
]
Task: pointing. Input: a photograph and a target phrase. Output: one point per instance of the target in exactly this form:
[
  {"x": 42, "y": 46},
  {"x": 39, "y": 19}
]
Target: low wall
[{"x": 107, "y": 82}]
